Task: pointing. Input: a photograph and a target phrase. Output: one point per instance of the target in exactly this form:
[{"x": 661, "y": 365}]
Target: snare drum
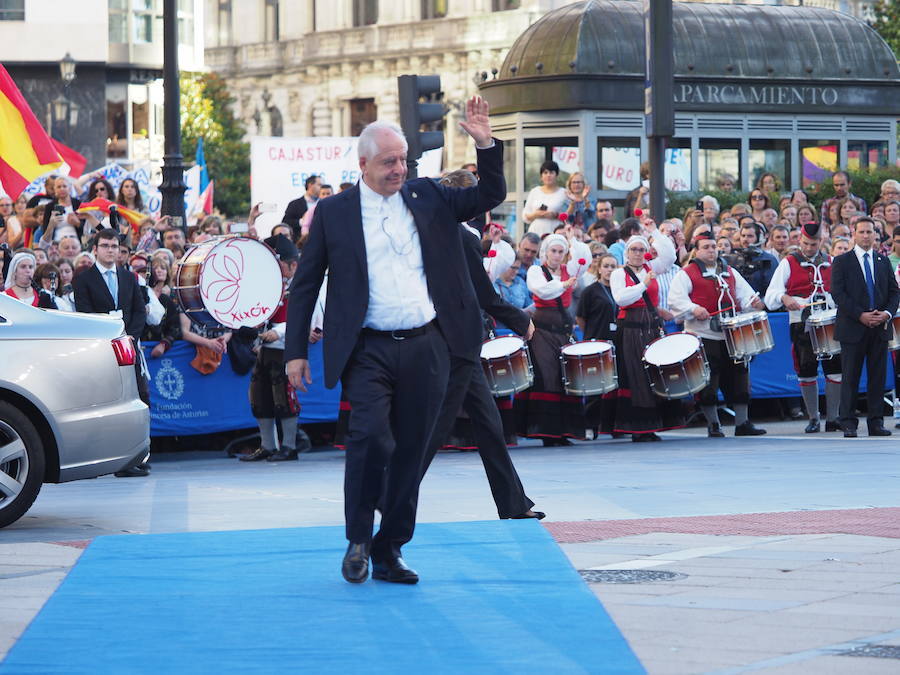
[
  {"x": 589, "y": 368},
  {"x": 229, "y": 281},
  {"x": 747, "y": 334},
  {"x": 894, "y": 342},
  {"x": 821, "y": 334},
  {"x": 507, "y": 365},
  {"x": 676, "y": 365}
]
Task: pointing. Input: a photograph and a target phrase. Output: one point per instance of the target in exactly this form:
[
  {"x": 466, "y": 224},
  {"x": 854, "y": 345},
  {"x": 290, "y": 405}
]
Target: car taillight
[{"x": 124, "y": 350}]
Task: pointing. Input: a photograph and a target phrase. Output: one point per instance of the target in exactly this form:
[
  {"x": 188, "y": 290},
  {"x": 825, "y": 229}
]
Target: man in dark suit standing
[
  {"x": 106, "y": 287},
  {"x": 400, "y": 301},
  {"x": 866, "y": 295}
]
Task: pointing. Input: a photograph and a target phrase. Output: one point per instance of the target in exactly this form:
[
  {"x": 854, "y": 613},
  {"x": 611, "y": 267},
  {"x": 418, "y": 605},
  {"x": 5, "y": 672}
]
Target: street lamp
[{"x": 63, "y": 106}]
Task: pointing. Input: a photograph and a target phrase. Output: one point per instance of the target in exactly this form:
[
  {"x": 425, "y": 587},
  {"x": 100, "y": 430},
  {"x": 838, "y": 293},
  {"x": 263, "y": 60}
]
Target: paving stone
[{"x": 836, "y": 665}]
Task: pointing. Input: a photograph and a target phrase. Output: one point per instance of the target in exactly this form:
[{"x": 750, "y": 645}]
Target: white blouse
[
  {"x": 626, "y": 295},
  {"x": 554, "y": 201},
  {"x": 552, "y": 289}
]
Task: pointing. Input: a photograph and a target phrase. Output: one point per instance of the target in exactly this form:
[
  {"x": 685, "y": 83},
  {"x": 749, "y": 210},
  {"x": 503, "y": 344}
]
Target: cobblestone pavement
[{"x": 777, "y": 554}]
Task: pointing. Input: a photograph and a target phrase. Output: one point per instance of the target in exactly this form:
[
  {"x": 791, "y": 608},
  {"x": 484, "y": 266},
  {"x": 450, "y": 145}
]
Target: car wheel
[{"x": 21, "y": 463}]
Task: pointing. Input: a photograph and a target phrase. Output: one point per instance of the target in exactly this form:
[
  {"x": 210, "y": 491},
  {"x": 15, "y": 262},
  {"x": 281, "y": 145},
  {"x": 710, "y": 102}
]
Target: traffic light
[{"x": 414, "y": 113}]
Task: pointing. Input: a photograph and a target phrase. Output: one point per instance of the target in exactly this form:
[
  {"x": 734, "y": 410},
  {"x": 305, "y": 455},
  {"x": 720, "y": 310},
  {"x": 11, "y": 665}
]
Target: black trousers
[
  {"x": 395, "y": 388},
  {"x": 732, "y": 378},
  {"x": 468, "y": 388},
  {"x": 873, "y": 349}
]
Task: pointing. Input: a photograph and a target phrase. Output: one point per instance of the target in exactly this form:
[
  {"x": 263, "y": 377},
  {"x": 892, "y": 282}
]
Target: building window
[
  {"x": 186, "y": 22},
  {"x": 434, "y": 9},
  {"x": 270, "y": 21},
  {"x": 770, "y": 157},
  {"x": 363, "y": 111},
  {"x": 143, "y": 21},
  {"x": 365, "y": 12},
  {"x": 819, "y": 160},
  {"x": 12, "y": 10},
  {"x": 678, "y": 164},
  {"x": 503, "y": 5},
  {"x": 116, "y": 121},
  {"x": 866, "y": 154},
  {"x": 223, "y": 23},
  {"x": 718, "y": 158},
  {"x": 563, "y": 151},
  {"x": 620, "y": 163},
  {"x": 118, "y": 21}
]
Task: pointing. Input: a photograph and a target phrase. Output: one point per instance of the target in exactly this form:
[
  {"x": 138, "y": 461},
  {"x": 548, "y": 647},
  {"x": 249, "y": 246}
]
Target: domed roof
[{"x": 606, "y": 37}]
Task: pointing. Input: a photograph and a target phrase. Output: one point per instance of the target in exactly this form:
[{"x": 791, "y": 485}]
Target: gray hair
[
  {"x": 712, "y": 200},
  {"x": 368, "y": 140},
  {"x": 532, "y": 237},
  {"x": 890, "y": 183}
]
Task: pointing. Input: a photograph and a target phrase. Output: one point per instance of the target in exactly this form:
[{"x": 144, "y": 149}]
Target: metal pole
[
  {"x": 172, "y": 187},
  {"x": 656, "y": 149},
  {"x": 659, "y": 110},
  {"x": 68, "y": 113}
]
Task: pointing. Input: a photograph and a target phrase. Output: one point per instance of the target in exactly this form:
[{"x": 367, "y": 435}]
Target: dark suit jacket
[
  {"x": 337, "y": 244},
  {"x": 848, "y": 288},
  {"x": 488, "y": 299},
  {"x": 295, "y": 210},
  {"x": 92, "y": 296}
]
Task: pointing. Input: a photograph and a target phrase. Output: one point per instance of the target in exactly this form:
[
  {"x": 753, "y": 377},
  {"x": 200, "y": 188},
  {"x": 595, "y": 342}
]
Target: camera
[
  {"x": 699, "y": 205},
  {"x": 748, "y": 261}
]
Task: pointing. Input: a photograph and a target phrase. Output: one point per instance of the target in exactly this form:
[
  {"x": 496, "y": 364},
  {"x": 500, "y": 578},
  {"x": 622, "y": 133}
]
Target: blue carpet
[{"x": 495, "y": 597}]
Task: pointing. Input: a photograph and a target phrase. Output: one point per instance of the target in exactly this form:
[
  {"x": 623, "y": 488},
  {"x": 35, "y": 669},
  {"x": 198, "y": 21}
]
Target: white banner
[
  {"x": 280, "y": 166},
  {"x": 621, "y": 169}
]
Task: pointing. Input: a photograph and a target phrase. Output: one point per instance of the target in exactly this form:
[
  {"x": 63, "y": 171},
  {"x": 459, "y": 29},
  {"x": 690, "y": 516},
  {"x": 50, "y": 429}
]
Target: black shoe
[
  {"x": 850, "y": 433},
  {"x": 832, "y": 425},
  {"x": 748, "y": 429},
  {"x": 714, "y": 431},
  {"x": 540, "y": 515},
  {"x": 814, "y": 427},
  {"x": 795, "y": 414},
  {"x": 879, "y": 431},
  {"x": 617, "y": 434},
  {"x": 283, "y": 455},
  {"x": 302, "y": 442},
  {"x": 645, "y": 438},
  {"x": 355, "y": 567},
  {"x": 395, "y": 571},
  {"x": 257, "y": 455},
  {"x": 133, "y": 472}
]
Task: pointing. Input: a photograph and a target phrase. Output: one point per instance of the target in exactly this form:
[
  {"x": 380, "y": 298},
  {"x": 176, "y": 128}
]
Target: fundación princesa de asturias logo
[{"x": 169, "y": 381}]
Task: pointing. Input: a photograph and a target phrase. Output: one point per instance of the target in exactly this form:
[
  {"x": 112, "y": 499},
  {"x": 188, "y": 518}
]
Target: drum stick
[
  {"x": 724, "y": 309},
  {"x": 813, "y": 304}
]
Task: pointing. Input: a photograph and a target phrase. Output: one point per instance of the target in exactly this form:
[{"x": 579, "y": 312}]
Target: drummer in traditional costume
[
  {"x": 639, "y": 411},
  {"x": 272, "y": 399},
  {"x": 704, "y": 290},
  {"x": 801, "y": 279},
  {"x": 545, "y": 411}
]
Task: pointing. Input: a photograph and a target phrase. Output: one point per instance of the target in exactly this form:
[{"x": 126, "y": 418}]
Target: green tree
[
  {"x": 206, "y": 113},
  {"x": 887, "y": 22}
]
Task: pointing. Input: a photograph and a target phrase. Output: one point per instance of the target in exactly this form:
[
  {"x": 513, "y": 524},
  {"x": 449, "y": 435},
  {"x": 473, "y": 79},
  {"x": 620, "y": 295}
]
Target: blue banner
[{"x": 184, "y": 402}]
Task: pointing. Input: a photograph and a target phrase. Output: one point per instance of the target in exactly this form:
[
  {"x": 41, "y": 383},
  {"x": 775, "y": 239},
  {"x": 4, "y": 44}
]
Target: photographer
[{"x": 753, "y": 263}]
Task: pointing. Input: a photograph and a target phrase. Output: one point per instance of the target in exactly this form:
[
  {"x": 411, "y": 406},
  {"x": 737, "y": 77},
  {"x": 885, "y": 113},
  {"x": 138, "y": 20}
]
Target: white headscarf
[
  {"x": 637, "y": 239},
  {"x": 14, "y": 264},
  {"x": 553, "y": 240}
]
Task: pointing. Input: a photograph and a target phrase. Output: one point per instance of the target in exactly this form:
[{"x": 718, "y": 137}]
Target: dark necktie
[{"x": 870, "y": 282}]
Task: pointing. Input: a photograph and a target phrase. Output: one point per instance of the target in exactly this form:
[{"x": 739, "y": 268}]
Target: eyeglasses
[
  {"x": 757, "y": 197},
  {"x": 598, "y": 255}
]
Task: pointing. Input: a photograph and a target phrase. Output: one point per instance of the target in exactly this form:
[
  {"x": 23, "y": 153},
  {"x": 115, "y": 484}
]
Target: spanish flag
[
  {"x": 102, "y": 205},
  {"x": 26, "y": 151}
]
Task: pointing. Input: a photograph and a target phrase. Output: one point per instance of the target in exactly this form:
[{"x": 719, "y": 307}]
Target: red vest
[
  {"x": 800, "y": 282},
  {"x": 652, "y": 291},
  {"x": 280, "y": 315},
  {"x": 12, "y": 293},
  {"x": 565, "y": 297},
  {"x": 705, "y": 290}
]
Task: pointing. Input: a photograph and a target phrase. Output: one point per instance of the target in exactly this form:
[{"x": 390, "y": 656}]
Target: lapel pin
[{"x": 414, "y": 195}]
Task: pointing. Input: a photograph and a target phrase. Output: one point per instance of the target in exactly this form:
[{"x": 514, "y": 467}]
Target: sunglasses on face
[{"x": 757, "y": 197}]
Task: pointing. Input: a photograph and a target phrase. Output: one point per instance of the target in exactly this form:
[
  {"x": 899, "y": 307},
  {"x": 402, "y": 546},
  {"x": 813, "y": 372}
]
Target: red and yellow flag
[
  {"x": 26, "y": 151},
  {"x": 100, "y": 204}
]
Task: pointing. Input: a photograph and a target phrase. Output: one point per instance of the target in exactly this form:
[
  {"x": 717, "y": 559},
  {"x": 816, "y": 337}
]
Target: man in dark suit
[
  {"x": 297, "y": 208},
  {"x": 106, "y": 287},
  {"x": 866, "y": 295},
  {"x": 400, "y": 301}
]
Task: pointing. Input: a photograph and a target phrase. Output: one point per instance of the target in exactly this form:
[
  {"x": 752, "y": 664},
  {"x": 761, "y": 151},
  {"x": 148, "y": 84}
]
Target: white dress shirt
[
  {"x": 625, "y": 295},
  {"x": 778, "y": 289},
  {"x": 398, "y": 289},
  {"x": 680, "y": 302}
]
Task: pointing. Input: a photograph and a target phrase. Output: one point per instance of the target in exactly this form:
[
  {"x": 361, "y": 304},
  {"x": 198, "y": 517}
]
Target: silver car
[{"x": 69, "y": 405}]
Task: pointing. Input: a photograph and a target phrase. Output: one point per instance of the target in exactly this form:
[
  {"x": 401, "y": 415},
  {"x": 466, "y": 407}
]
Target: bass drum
[{"x": 230, "y": 281}]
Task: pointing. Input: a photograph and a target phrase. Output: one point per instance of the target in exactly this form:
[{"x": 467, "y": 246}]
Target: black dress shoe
[
  {"x": 879, "y": 431},
  {"x": 395, "y": 571},
  {"x": 714, "y": 431},
  {"x": 645, "y": 438},
  {"x": 832, "y": 425},
  {"x": 540, "y": 515},
  {"x": 133, "y": 472},
  {"x": 813, "y": 427},
  {"x": 849, "y": 433},
  {"x": 748, "y": 429},
  {"x": 795, "y": 414},
  {"x": 283, "y": 455},
  {"x": 355, "y": 566},
  {"x": 257, "y": 455}
]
